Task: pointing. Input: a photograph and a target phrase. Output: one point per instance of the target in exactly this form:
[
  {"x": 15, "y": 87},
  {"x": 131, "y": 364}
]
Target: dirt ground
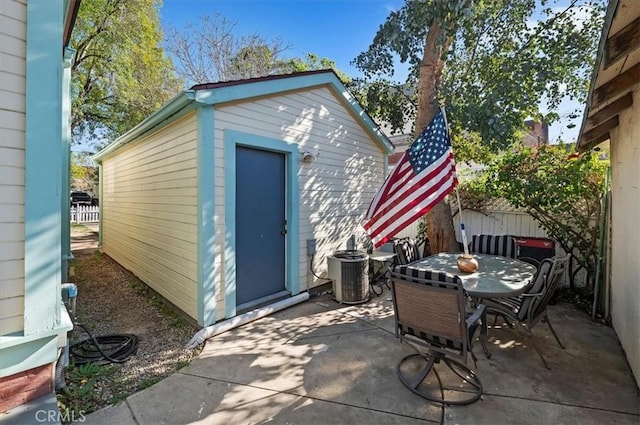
[{"x": 112, "y": 300}]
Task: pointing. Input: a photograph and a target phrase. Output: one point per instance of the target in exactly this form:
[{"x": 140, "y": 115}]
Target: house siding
[
  {"x": 625, "y": 210},
  {"x": 13, "y": 30},
  {"x": 334, "y": 190},
  {"x": 149, "y": 206}
]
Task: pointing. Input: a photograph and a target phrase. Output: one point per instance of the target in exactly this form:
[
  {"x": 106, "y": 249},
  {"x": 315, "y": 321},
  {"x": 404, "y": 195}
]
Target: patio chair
[
  {"x": 430, "y": 312},
  {"x": 528, "y": 309},
  {"x": 408, "y": 250},
  {"x": 504, "y": 245}
]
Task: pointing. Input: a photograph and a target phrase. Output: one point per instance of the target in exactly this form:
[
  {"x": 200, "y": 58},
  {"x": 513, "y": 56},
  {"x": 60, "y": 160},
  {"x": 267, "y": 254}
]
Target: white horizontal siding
[
  {"x": 149, "y": 222},
  {"x": 11, "y": 324},
  {"x": 335, "y": 189},
  {"x": 12, "y": 64},
  {"x": 13, "y": 30}
]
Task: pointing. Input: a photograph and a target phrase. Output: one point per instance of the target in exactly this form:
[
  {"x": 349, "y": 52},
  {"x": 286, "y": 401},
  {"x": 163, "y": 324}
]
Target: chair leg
[
  {"x": 415, "y": 383},
  {"x": 470, "y": 391},
  {"x": 530, "y": 338},
  {"x": 484, "y": 334},
  {"x": 546, "y": 318},
  {"x": 483, "y": 342},
  {"x": 535, "y": 347},
  {"x": 474, "y": 358},
  {"x": 504, "y": 319}
]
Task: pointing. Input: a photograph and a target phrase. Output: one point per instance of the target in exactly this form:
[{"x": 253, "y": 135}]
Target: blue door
[{"x": 260, "y": 224}]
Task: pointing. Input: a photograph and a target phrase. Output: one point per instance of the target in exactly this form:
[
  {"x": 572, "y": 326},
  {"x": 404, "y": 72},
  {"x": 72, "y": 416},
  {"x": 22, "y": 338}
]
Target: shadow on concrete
[{"x": 321, "y": 362}]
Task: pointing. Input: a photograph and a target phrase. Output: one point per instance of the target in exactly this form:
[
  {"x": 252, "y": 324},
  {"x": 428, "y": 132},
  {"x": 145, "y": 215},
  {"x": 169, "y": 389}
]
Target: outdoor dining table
[{"x": 496, "y": 276}]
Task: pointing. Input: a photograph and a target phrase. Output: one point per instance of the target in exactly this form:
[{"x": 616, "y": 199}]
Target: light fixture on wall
[{"x": 307, "y": 156}]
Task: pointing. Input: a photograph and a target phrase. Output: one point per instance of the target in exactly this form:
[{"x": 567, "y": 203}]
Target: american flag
[{"x": 423, "y": 177}]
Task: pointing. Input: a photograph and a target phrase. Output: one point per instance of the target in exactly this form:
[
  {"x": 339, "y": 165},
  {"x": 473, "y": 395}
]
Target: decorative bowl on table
[{"x": 467, "y": 263}]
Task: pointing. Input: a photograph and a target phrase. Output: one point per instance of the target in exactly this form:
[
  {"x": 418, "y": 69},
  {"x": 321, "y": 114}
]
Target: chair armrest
[
  {"x": 477, "y": 315},
  {"x": 538, "y": 294},
  {"x": 531, "y": 261}
]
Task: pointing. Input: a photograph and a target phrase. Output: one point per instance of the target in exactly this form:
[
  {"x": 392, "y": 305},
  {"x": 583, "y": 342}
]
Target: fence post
[{"x": 84, "y": 214}]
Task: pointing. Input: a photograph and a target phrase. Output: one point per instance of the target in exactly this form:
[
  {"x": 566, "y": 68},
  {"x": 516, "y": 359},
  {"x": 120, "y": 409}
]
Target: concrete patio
[{"x": 321, "y": 362}]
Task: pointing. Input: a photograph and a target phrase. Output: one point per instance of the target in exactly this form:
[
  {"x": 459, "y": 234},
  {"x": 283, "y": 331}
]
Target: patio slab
[
  {"x": 322, "y": 362},
  {"x": 589, "y": 372},
  {"x": 513, "y": 410},
  {"x": 346, "y": 362},
  {"x": 219, "y": 402}
]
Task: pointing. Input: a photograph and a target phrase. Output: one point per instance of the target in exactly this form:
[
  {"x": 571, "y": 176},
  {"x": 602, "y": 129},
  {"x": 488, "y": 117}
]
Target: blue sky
[{"x": 335, "y": 29}]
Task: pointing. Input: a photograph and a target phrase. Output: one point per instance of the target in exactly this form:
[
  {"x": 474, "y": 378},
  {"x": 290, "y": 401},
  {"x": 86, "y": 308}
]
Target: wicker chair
[
  {"x": 504, "y": 245},
  {"x": 530, "y": 308},
  {"x": 430, "y": 312}
]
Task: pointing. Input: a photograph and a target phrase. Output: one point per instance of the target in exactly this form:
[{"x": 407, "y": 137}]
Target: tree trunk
[{"x": 439, "y": 220}]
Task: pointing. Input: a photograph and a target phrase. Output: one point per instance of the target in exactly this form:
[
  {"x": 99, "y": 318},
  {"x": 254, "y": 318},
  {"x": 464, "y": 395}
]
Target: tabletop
[
  {"x": 382, "y": 256},
  {"x": 496, "y": 276}
]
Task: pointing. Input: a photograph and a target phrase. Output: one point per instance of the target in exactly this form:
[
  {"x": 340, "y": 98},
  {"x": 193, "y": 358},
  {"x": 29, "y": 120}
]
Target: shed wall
[
  {"x": 625, "y": 210},
  {"x": 13, "y": 34},
  {"x": 334, "y": 190},
  {"x": 149, "y": 201}
]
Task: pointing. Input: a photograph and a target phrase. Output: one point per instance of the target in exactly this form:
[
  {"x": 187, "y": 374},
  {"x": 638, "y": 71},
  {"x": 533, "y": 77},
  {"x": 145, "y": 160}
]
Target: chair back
[
  {"x": 504, "y": 245},
  {"x": 546, "y": 282},
  {"x": 406, "y": 250},
  {"x": 430, "y": 310},
  {"x": 553, "y": 280}
]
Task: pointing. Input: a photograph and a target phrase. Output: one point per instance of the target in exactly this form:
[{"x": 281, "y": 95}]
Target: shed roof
[
  {"x": 242, "y": 90},
  {"x": 616, "y": 74}
]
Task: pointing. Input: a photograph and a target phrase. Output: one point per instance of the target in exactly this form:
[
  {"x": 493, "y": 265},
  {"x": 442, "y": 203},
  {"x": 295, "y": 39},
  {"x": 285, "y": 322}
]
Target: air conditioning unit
[{"x": 349, "y": 272}]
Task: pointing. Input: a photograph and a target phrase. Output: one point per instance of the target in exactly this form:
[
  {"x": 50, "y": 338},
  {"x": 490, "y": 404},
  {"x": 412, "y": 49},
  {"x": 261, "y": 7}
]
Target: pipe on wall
[{"x": 210, "y": 331}]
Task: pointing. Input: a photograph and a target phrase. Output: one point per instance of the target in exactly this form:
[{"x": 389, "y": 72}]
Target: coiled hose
[{"x": 104, "y": 349}]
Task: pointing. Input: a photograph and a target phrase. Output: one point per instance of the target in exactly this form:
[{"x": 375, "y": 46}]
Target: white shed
[{"x": 212, "y": 200}]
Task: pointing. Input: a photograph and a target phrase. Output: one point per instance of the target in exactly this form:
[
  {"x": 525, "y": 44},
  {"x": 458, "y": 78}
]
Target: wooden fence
[
  {"x": 491, "y": 223},
  {"x": 85, "y": 214}
]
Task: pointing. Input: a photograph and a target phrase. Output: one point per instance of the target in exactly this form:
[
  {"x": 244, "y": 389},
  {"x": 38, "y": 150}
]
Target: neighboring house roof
[
  {"x": 243, "y": 90},
  {"x": 616, "y": 73},
  {"x": 538, "y": 133}
]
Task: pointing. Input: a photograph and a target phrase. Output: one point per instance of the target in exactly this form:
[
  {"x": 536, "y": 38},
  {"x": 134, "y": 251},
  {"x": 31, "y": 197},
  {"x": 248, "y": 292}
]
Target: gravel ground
[{"x": 112, "y": 300}]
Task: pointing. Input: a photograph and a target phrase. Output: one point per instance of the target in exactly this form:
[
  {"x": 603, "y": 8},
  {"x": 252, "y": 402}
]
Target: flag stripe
[
  {"x": 389, "y": 182},
  {"x": 407, "y": 206},
  {"x": 382, "y": 239},
  {"x": 419, "y": 193},
  {"x": 402, "y": 179},
  {"x": 423, "y": 177}
]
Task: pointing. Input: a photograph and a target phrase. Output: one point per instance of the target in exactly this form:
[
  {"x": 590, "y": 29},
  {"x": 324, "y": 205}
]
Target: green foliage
[
  {"x": 506, "y": 58},
  {"x": 147, "y": 382},
  {"x": 78, "y": 172},
  {"x": 311, "y": 62},
  {"x": 387, "y": 101},
  {"x": 84, "y": 173},
  {"x": 560, "y": 190},
  {"x": 80, "y": 394},
  {"x": 120, "y": 74}
]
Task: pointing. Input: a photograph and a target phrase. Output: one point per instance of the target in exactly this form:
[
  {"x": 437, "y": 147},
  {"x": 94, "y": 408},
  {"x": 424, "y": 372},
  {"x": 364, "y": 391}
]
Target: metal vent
[{"x": 349, "y": 271}]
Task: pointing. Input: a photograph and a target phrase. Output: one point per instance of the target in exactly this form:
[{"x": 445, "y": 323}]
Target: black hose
[
  {"x": 314, "y": 273},
  {"x": 115, "y": 348}
]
